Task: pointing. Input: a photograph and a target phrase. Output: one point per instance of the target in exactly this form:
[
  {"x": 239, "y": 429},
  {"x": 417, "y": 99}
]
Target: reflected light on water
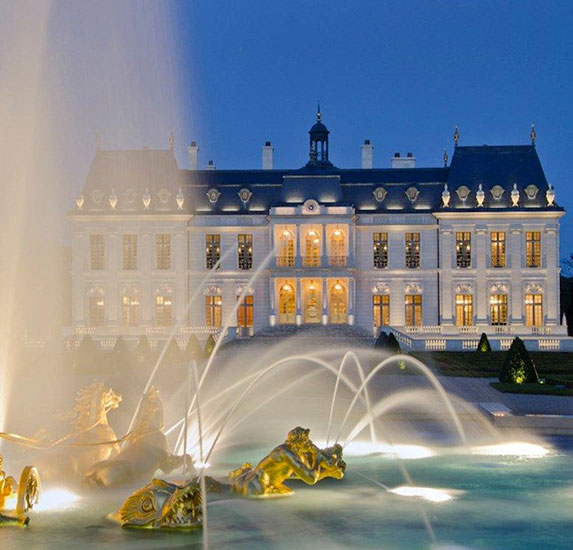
[
  {"x": 426, "y": 493},
  {"x": 512, "y": 448},
  {"x": 56, "y": 500},
  {"x": 361, "y": 448}
]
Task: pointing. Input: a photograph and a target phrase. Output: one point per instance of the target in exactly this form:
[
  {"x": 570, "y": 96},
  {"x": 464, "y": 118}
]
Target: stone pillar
[
  {"x": 481, "y": 276},
  {"x": 516, "y": 265},
  {"x": 324, "y": 302},
  {"x": 446, "y": 309},
  {"x": 180, "y": 265},
  {"x": 351, "y": 244},
  {"x": 298, "y": 302},
  {"x": 397, "y": 303},
  {"x": 272, "y": 302},
  {"x": 111, "y": 288},
  {"x": 146, "y": 293},
  {"x": 351, "y": 300},
  {"x": 552, "y": 267},
  {"x": 324, "y": 245}
]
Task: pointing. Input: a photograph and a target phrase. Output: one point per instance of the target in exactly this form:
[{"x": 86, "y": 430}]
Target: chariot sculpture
[{"x": 16, "y": 499}]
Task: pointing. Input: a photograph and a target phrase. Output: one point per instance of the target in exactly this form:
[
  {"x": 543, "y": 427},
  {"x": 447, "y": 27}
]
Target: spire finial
[
  {"x": 318, "y": 114},
  {"x": 171, "y": 141},
  {"x": 532, "y": 134},
  {"x": 445, "y": 158},
  {"x": 456, "y": 136}
]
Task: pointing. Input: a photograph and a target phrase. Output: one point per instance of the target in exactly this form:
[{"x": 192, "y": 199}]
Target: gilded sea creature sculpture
[
  {"x": 297, "y": 458},
  {"x": 23, "y": 495},
  {"x": 162, "y": 505},
  {"x": 145, "y": 450}
]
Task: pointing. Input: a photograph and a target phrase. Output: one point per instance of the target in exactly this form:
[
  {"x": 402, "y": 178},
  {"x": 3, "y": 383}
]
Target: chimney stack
[
  {"x": 409, "y": 161},
  {"x": 210, "y": 165},
  {"x": 367, "y": 151},
  {"x": 268, "y": 151},
  {"x": 193, "y": 156}
]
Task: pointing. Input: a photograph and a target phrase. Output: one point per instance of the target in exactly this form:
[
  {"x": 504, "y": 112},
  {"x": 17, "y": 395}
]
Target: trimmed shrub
[
  {"x": 193, "y": 349},
  {"x": 173, "y": 353},
  {"x": 87, "y": 355},
  {"x": 393, "y": 344},
  {"x": 209, "y": 346},
  {"x": 483, "y": 345},
  {"x": 120, "y": 357},
  {"x": 143, "y": 350},
  {"x": 518, "y": 368},
  {"x": 381, "y": 341}
]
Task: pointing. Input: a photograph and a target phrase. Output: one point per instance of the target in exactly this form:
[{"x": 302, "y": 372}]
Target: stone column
[
  {"x": 298, "y": 302},
  {"x": 552, "y": 269},
  {"x": 180, "y": 266},
  {"x": 397, "y": 303},
  {"x": 324, "y": 302},
  {"x": 351, "y": 300},
  {"x": 111, "y": 288},
  {"x": 272, "y": 302},
  {"x": 146, "y": 293},
  {"x": 351, "y": 244},
  {"x": 446, "y": 310},
  {"x": 516, "y": 265},
  {"x": 325, "y": 251},
  {"x": 481, "y": 276}
]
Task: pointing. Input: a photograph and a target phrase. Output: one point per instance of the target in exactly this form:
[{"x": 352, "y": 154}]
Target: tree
[
  {"x": 193, "y": 349},
  {"x": 173, "y": 352},
  {"x": 483, "y": 346},
  {"x": 518, "y": 367},
  {"x": 209, "y": 345}
]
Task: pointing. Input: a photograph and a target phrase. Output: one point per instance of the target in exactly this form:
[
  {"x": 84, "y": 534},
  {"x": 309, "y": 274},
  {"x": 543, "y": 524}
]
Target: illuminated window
[
  {"x": 286, "y": 249},
  {"x": 337, "y": 248},
  {"x": 498, "y": 309},
  {"x": 380, "y": 241},
  {"x": 129, "y": 251},
  {"x": 212, "y": 251},
  {"x": 498, "y": 249},
  {"x": 381, "y": 310},
  {"x": 130, "y": 310},
  {"x": 533, "y": 248},
  {"x": 287, "y": 304},
  {"x": 413, "y": 310},
  {"x": 163, "y": 251},
  {"x": 245, "y": 313},
  {"x": 312, "y": 242},
  {"x": 97, "y": 252},
  {"x": 412, "y": 250},
  {"x": 533, "y": 310},
  {"x": 464, "y": 310},
  {"x": 463, "y": 249},
  {"x": 96, "y": 311},
  {"x": 163, "y": 311},
  {"x": 213, "y": 311},
  {"x": 245, "y": 251}
]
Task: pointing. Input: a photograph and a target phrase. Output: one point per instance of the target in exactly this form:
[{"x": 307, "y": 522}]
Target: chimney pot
[
  {"x": 267, "y": 156},
  {"x": 397, "y": 155},
  {"x": 210, "y": 165},
  {"x": 408, "y": 161},
  {"x": 367, "y": 154},
  {"x": 193, "y": 152}
]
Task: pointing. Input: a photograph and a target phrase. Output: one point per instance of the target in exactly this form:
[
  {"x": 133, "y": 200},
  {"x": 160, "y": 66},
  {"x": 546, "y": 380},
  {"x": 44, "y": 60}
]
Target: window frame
[
  {"x": 212, "y": 250},
  {"x": 463, "y": 249},
  {"x": 380, "y": 249},
  {"x": 163, "y": 251},
  {"x": 498, "y": 249},
  {"x": 412, "y": 250},
  {"x": 380, "y": 310},
  {"x": 245, "y": 251}
]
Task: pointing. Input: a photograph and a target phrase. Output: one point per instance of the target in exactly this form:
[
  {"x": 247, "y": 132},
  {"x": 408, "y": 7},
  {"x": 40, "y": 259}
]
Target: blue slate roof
[{"x": 157, "y": 171}]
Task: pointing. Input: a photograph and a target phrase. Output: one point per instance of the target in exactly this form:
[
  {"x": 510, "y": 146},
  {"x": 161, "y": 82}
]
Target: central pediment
[{"x": 325, "y": 189}]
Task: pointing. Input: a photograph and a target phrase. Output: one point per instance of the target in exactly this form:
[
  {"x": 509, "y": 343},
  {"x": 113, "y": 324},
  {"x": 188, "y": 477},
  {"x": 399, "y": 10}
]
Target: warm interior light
[
  {"x": 286, "y": 287},
  {"x": 286, "y": 233},
  {"x": 337, "y": 233},
  {"x": 312, "y": 233},
  {"x": 337, "y": 286}
]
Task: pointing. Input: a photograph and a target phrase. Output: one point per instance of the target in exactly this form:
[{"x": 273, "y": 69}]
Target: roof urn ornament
[
  {"x": 146, "y": 199},
  {"x": 514, "y": 195},
  {"x": 550, "y": 195},
  {"x": 445, "y": 196},
  {"x": 445, "y": 158},
  {"x": 113, "y": 199},
  {"x": 480, "y": 195},
  {"x": 532, "y": 134},
  {"x": 80, "y": 202},
  {"x": 456, "y": 136},
  {"x": 180, "y": 199}
]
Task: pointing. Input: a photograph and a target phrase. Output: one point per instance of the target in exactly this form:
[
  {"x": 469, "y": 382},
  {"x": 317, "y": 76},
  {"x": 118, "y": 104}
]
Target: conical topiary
[
  {"x": 393, "y": 344},
  {"x": 193, "y": 349},
  {"x": 173, "y": 352},
  {"x": 483, "y": 345},
  {"x": 381, "y": 341},
  {"x": 209, "y": 346},
  {"x": 143, "y": 350},
  {"x": 518, "y": 368}
]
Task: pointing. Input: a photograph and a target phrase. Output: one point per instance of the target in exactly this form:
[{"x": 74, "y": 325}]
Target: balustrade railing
[
  {"x": 339, "y": 261},
  {"x": 284, "y": 261}
]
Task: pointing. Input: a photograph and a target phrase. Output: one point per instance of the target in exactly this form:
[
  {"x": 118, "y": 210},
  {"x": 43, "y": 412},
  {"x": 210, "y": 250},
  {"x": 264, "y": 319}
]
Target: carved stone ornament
[
  {"x": 380, "y": 288},
  {"x": 480, "y": 196},
  {"x": 80, "y": 202},
  {"x": 97, "y": 196},
  {"x": 212, "y": 290},
  {"x": 213, "y": 195},
  {"x": 534, "y": 288},
  {"x": 445, "y": 196},
  {"x": 464, "y": 288},
  {"x": 163, "y": 195},
  {"x": 113, "y": 200},
  {"x": 180, "y": 199},
  {"x": 412, "y": 193},
  {"x": 463, "y": 192},
  {"x": 497, "y": 192},
  {"x": 239, "y": 290},
  {"x": 146, "y": 199},
  {"x": 531, "y": 191},
  {"x": 550, "y": 195},
  {"x": 413, "y": 288},
  {"x": 514, "y": 195},
  {"x": 379, "y": 193},
  {"x": 245, "y": 195},
  {"x": 498, "y": 288}
]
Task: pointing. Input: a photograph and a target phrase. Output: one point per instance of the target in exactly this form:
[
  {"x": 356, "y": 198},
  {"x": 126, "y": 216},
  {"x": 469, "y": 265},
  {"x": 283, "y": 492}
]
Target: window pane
[
  {"x": 380, "y": 243},
  {"x": 498, "y": 249},
  {"x": 97, "y": 252},
  {"x": 381, "y": 310},
  {"x": 463, "y": 249},
  {"x": 245, "y": 251},
  {"x": 129, "y": 251},
  {"x": 212, "y": 250},
  {"x": 464, "y": 309},
  {"x": 533, "y": 248},
  {"x": 163, "y": 251},
  {"x": 412, "y": 250}
]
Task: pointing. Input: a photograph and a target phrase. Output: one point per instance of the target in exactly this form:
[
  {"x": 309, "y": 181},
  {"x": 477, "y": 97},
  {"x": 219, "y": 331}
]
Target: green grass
[{"x": 537, "y": 389}]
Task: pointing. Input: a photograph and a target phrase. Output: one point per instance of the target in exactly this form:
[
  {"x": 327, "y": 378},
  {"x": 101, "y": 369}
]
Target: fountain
[{"x": 26, "y": 494}]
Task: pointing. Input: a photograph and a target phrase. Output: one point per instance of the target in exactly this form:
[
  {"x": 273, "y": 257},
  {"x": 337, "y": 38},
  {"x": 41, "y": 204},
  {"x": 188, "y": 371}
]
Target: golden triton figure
[{"x": 297, "y": 458}]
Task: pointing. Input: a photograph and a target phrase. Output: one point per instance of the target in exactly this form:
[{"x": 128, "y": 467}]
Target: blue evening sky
[{"x": 401, "y": 73}]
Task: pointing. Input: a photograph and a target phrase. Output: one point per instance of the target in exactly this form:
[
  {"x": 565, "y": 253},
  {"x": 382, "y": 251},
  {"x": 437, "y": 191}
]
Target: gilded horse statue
[
  {"x": 145, "y": 451},
  {"x": 297, "y": 458},
  {"x": 90, "y": 440}
]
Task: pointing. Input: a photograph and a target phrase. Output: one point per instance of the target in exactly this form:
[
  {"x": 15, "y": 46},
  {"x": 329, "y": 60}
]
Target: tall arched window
[
  {"x": 337, "y": 247},
  {"x": 312, "y": 248},
  {"x": 286, "y": 249},
  {"x": 96, "y": 307},
  {"x": 287, "y": 304},
  {"x": 164, "y": 308},
  {"x": 338, "y": 303},
  {"x": 130, "y": 308}
]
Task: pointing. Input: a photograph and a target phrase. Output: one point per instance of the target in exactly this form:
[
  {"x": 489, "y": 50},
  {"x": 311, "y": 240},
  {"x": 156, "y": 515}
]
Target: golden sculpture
[
  {"x": 145, "y": 451},
  {"x": 90, "y": 439},
  {"x": 162, "y": 505},
  {"x": 25, "y": 494},
  {"x": 297, "y": 458}
]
